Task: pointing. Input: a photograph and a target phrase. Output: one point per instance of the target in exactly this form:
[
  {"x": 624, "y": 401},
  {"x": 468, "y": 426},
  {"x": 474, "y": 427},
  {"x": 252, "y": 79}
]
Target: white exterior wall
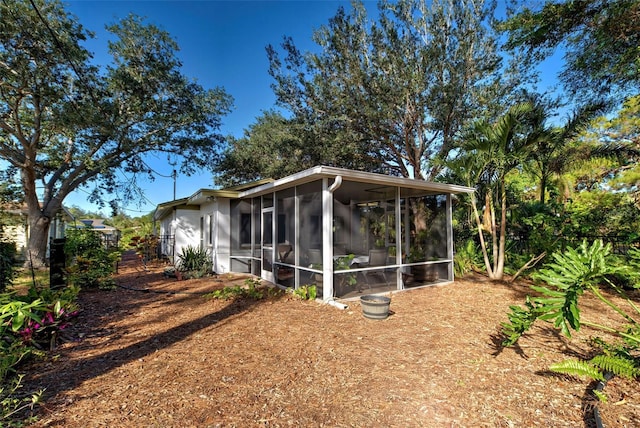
[
  {"x": 185, "y": 226},
  {"x": 17, "y": 234},
  {"x": 222, "y": 236}
]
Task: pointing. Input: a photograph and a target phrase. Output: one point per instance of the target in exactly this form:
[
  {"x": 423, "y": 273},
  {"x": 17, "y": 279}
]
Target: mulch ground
[{"x": 168, "y": 357}]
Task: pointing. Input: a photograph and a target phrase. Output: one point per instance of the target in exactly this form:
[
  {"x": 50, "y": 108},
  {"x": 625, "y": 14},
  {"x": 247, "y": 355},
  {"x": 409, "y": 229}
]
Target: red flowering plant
[
  {"x": 45, "y": 329},
  {"x": 32, "y": 322}
]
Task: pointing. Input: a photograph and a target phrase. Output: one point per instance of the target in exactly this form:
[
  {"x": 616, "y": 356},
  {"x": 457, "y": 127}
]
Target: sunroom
[{"x": 346, "y": 232}]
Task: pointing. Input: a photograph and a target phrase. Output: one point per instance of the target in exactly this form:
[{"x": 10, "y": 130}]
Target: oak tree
[{"x": 66, "y": 122}]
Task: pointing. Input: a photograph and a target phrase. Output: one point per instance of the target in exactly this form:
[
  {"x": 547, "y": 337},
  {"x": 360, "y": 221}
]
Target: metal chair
[{"x": 377, "y": 257}]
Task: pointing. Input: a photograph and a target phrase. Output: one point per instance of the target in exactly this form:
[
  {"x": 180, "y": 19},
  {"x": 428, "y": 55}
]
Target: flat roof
[
  {"x": 266, "y": 186},
  {"x": 319, "y": 172}
]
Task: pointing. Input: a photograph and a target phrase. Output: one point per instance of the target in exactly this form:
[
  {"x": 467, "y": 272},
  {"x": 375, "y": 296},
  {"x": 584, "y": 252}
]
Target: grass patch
[{"x": 24, "y": 279}]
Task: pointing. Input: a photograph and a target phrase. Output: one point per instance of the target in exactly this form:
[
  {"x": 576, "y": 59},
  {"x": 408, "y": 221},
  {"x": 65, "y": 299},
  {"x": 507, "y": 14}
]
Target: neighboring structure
[
  {"x": 17, "y": 228},
  {"x": 345, "y": 231},
  {"x": 110, "y": 235}
]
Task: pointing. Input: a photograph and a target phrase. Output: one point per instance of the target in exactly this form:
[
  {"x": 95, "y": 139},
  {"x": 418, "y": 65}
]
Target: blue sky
[{"x": 222, "y": 43}]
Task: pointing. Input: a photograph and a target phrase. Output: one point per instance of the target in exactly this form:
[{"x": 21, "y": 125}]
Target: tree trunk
[
  {"x": 483, "y": 245},
  {"x": 38, "y": 239},
  {"x": 503, "y": 231},
  {"x": 543, "y": 187},
  {"x": 494, "y": 237}
]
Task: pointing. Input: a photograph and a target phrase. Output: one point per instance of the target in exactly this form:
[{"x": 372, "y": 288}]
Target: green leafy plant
[
  {"x": 7, "y": 264},
  {"x": 32, "y": 322},
  {"x": 574, "y": 272},
  {"x": 13, "y": 404},
  {"x": 344, "y": 263},
  {"x": 466, "y": 259},
  {"x": 194, "y": 262},
  {"x": 89, "y": 263},
  {"x": 306, "y": 292},
  {"x": 249, "y": 291}
]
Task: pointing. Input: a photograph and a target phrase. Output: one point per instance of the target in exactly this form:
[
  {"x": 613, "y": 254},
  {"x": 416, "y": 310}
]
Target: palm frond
[
  {"x": 617, "y": 364},
  {"x": 577, "y": 368}
]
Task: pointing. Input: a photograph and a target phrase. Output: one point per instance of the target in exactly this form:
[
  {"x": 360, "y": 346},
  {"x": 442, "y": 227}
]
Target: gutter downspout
[
  {"x": 327, "y": 283},
  {"x": 336, "y": 184}
]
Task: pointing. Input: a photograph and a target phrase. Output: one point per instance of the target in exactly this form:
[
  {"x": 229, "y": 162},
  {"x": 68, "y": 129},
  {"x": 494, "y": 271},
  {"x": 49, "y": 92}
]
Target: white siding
[
  {"x": 17, "y": 234},
  {"x": 222, "y": 242},
  {"x": 185, "y": 227}
]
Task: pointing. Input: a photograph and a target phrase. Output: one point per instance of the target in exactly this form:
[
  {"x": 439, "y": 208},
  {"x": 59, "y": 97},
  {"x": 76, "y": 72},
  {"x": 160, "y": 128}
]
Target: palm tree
[
  {"x": 488, "y": 153},
  {"x": 553, "y": 154}
]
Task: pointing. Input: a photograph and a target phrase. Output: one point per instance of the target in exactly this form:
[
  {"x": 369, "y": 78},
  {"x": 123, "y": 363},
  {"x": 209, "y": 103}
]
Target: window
[
  {"x": 245, "y": 229},
  {"x": 210, "y": 229}
]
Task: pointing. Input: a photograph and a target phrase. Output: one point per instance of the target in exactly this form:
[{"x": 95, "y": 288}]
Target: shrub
[
  {"x": 89, "y": 263},
  {"x": 306, "y": 292},
  {"x": 194, "y": 262},
  {"x": 466, "y": 259},
  {"x": 573, "y": 273},
  {"x": 32, "y": 322},
  {"x": 28, "y": 324},
  {"x": 7, "y": 264}
]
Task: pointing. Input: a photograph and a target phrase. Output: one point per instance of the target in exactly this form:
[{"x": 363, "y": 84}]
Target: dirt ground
[{"x": 170, "y": 358}]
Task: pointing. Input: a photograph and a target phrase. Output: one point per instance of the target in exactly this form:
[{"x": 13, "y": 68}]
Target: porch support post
[
  {"x": 449, "y": 237},
  {"x": 296, "y": 240},
  {"x": 327, "y": 241},
  {"x": 399, "y": 238}
]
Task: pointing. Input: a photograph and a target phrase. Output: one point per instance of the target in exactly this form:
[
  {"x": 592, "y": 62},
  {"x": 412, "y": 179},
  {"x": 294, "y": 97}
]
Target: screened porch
[{"x": 345, "y": 232}]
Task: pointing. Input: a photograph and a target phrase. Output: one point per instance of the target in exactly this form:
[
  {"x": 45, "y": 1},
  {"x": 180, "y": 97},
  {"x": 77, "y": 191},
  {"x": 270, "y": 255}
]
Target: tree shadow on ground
[{"x": 59, "y": 380}]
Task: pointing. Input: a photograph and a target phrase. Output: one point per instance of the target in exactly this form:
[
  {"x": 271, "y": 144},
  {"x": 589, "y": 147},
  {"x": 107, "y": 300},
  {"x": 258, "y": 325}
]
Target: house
[
  {"x": 346, "y": 231},
  {"x": 15, "y": 226},
  {"x": 110, "y": 235}
]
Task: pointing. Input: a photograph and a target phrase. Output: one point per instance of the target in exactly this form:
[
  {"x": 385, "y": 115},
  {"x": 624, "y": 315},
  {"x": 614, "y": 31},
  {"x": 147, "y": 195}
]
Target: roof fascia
[{"x": 318, "y": 172}]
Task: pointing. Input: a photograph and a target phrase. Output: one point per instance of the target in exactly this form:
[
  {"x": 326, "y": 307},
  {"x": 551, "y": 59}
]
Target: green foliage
[
  {"x": 372, "y": 96},
  {"x": 490, "y": 151},
  {"x": 7, "y": 264},
  {"x": 619, "y": 364},
  {"x": 89, "y": 263},
  {"x": 571, "y": 273},
  {"x": 599, "y": 213},
  {"x": 344, "y": 263},
  {"x": 131, "y": 227},
  {"x": 146, "y": 246},
  {"x": 249, "y": 291},
  {"x": 137, "y": 104},
  {"x": 33, "y": 321},
  {"x": 268, "y": 149},
  {"x": 569, "y": 276},
  {"x": 466, "y": 259},
  {"x": 577, "y": 368},
  {"x": 13, "y": 404},
  {"x": 520, "y": 321},
  {"x": 600, "y": 395},
  {"x": 599, "y": 40},
  {"x": 306, "y": 292},
  {"x": 194, "y": 262},
  {"x": 28, "y": 324}
]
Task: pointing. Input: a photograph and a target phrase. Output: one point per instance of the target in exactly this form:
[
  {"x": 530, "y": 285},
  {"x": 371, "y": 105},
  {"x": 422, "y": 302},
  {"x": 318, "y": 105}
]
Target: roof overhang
[
  {"x": 262, "y": 187},
  {"x": 167, "y": 207},
  {"x": 319, "y": 172},
  {"x": 203, "y": 196}
]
